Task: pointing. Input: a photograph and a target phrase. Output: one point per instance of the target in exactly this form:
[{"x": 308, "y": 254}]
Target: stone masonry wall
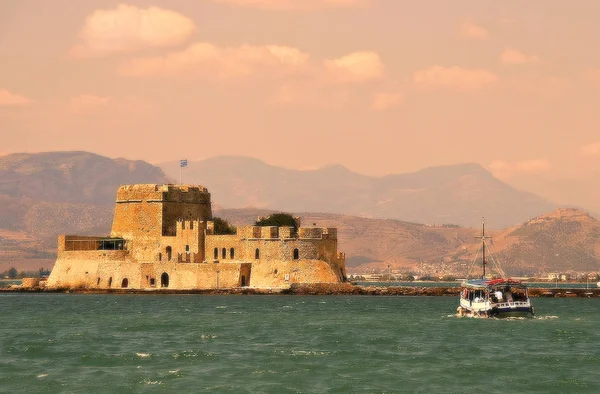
[
  {"x": 144, "y": 213},
  {"x": 169, "y": 244}
]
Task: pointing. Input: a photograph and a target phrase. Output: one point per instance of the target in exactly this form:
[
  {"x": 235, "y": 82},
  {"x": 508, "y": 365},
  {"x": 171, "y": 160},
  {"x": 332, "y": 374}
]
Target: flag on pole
[{"x": 183, "y": 163}]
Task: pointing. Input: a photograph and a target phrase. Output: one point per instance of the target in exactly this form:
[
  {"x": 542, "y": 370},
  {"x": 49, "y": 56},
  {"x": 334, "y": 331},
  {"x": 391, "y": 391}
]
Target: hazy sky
[{"x": 380, "y": 86}]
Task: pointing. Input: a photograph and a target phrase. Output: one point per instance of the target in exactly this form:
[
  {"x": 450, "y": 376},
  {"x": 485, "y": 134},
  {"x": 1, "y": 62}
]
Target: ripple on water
[{"x": 276, "y": 344}]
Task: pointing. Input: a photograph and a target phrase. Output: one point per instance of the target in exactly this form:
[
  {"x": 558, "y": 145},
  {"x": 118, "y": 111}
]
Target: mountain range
[
  {"x": 47, "y": 194},
  {"x": 457, "y": 194}
]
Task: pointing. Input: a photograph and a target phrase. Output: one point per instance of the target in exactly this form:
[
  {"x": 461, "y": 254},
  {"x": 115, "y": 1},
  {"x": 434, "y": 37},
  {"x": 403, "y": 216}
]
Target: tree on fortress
[
  {"x": 12, "y": 273},
  {"x": 223, "y": 227},
  {"x": 279, "y": 220}
]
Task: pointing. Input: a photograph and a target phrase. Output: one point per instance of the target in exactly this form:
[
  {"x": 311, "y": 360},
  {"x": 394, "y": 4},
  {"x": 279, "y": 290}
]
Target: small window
[
  {"x": 110, "y": 281},
  {"x": 231, "y": 253},
  {"x": 216, "y": 253},
  {"x": 224, "y": 253},
  {"x": 187, "y": 249},
  {"x": 257, "y": 254},
  {"x": 296, "y": 254},
  {"x": 152, "y": 282},
  {"x": 159, "y": 256},
  {"x": 169, "y": 253},
  {"x": 98, "y": 283}
]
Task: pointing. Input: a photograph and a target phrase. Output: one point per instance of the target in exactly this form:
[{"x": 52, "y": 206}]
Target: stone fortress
[{"x": 163, "y": 237}]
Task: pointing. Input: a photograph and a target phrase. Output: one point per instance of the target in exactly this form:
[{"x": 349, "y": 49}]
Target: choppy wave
[{"x": 274, "y": 344}]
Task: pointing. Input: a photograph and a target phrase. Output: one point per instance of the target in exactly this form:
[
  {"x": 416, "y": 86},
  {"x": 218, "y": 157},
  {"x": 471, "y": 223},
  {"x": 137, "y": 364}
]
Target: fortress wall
[
  {"x": 311, "y": 232},
  {"x": 172, "y": 211},
  {"x": 273, "y": 273},
  {"x": 155, "y": 219},
  {"x": 141, "y": 225},
  {"x": 144, "y": 213},
  {"x": 224, "y": 241},
  {"x": 184, "y": 276},
  {"x": 73, "y": 273},
  {"x": 109, "y": 274},
  {"x": 189, "y": 233},
  {"x": 137, "y": 218}
]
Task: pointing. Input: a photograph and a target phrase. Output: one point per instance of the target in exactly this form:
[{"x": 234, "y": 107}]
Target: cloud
[
  {"x": 513, "y": 56},
  {"x": 591, "y": 149},
  {"x": 455, "y": 78},
  {"x": 219, "y": 63},
  {"x": 355, "y": 67},
  {"x": 296, "y": 4},
  {"x": 128, "y": 28},
  {"x": 386, "y": 101},
  {"x": 505, "y": 170},
  {"x": 210, "y": 61},
  {"x": 10, "y": 99},
  {"x": 474, "y": 31}
]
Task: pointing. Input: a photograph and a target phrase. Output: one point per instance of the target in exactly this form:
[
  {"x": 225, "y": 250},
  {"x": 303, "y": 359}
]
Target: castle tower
[{"x": 145, "y": 213}]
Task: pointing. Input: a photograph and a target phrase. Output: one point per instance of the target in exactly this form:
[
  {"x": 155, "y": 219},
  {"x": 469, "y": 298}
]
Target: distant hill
[
  {"x": 46, "y": 194},
  {"x": 43, "y": 195},
  {"x": 458, "y": 194},
  {"x": 563, "y": 240}
]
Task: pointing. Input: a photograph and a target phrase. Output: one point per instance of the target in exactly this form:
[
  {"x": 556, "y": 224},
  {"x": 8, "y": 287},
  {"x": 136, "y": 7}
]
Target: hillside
[
  {"x": 458, "y": 194},
  {"x": 46, "y": 194},
  {"x": 563, "y": 240}
]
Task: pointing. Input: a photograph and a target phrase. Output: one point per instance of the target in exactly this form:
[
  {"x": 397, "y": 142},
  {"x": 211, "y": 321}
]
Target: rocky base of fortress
[{"x": 315, "y": 289}]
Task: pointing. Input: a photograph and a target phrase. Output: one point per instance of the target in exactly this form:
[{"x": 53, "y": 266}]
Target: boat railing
[{"x": 511, "y": 304}]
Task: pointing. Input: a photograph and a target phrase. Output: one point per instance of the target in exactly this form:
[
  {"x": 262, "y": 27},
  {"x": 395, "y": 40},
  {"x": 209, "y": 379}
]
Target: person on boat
[{"x": 499, "y": 295}]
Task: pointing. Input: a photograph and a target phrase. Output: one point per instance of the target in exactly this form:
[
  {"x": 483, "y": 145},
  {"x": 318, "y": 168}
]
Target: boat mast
[{"x": 483, "y": 245}]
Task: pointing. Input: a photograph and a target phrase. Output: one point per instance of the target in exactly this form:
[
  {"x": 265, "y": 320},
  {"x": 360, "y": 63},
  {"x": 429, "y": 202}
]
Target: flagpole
[{"x": 182, "y": 163}]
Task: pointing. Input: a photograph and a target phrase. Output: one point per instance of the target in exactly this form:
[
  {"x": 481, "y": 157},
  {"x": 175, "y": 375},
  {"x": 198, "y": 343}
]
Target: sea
[{"x": 92, "y": 343}]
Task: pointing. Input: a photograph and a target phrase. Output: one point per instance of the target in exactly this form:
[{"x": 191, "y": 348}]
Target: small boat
[{"x": 503, "y": 297}]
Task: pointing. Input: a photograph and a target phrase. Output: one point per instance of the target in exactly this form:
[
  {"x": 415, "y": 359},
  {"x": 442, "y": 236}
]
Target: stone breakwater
[{"x": 318, "y": 289}]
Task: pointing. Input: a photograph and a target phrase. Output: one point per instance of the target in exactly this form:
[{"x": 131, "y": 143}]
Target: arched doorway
[
  {"x": 125, "y": 283},
  {"x": 164, "y": 280}
]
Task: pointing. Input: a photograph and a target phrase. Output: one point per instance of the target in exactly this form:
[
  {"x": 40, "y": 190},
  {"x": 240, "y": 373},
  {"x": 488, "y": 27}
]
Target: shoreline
[{"x": 315, "y": 289}]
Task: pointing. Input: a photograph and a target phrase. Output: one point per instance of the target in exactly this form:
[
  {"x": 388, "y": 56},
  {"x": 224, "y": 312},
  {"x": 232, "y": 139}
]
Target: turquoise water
[{"x": 69, "y": 343}]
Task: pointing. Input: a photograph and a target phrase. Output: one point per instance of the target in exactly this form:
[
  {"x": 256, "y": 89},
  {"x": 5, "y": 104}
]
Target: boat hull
[
  {"x": 522, "y": 311},
  {"x": 495, "y": 312}
]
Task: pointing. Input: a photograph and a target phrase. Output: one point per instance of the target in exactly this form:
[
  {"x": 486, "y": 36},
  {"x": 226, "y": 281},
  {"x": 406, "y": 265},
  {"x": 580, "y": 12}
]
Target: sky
[{"x": 379, "y": 86}]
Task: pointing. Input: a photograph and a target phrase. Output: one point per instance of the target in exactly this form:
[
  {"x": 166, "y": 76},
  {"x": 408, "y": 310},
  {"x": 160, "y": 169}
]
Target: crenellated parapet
[
  {"x": 273, "y": 232},
  {"x": 163, "y": 193}
]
